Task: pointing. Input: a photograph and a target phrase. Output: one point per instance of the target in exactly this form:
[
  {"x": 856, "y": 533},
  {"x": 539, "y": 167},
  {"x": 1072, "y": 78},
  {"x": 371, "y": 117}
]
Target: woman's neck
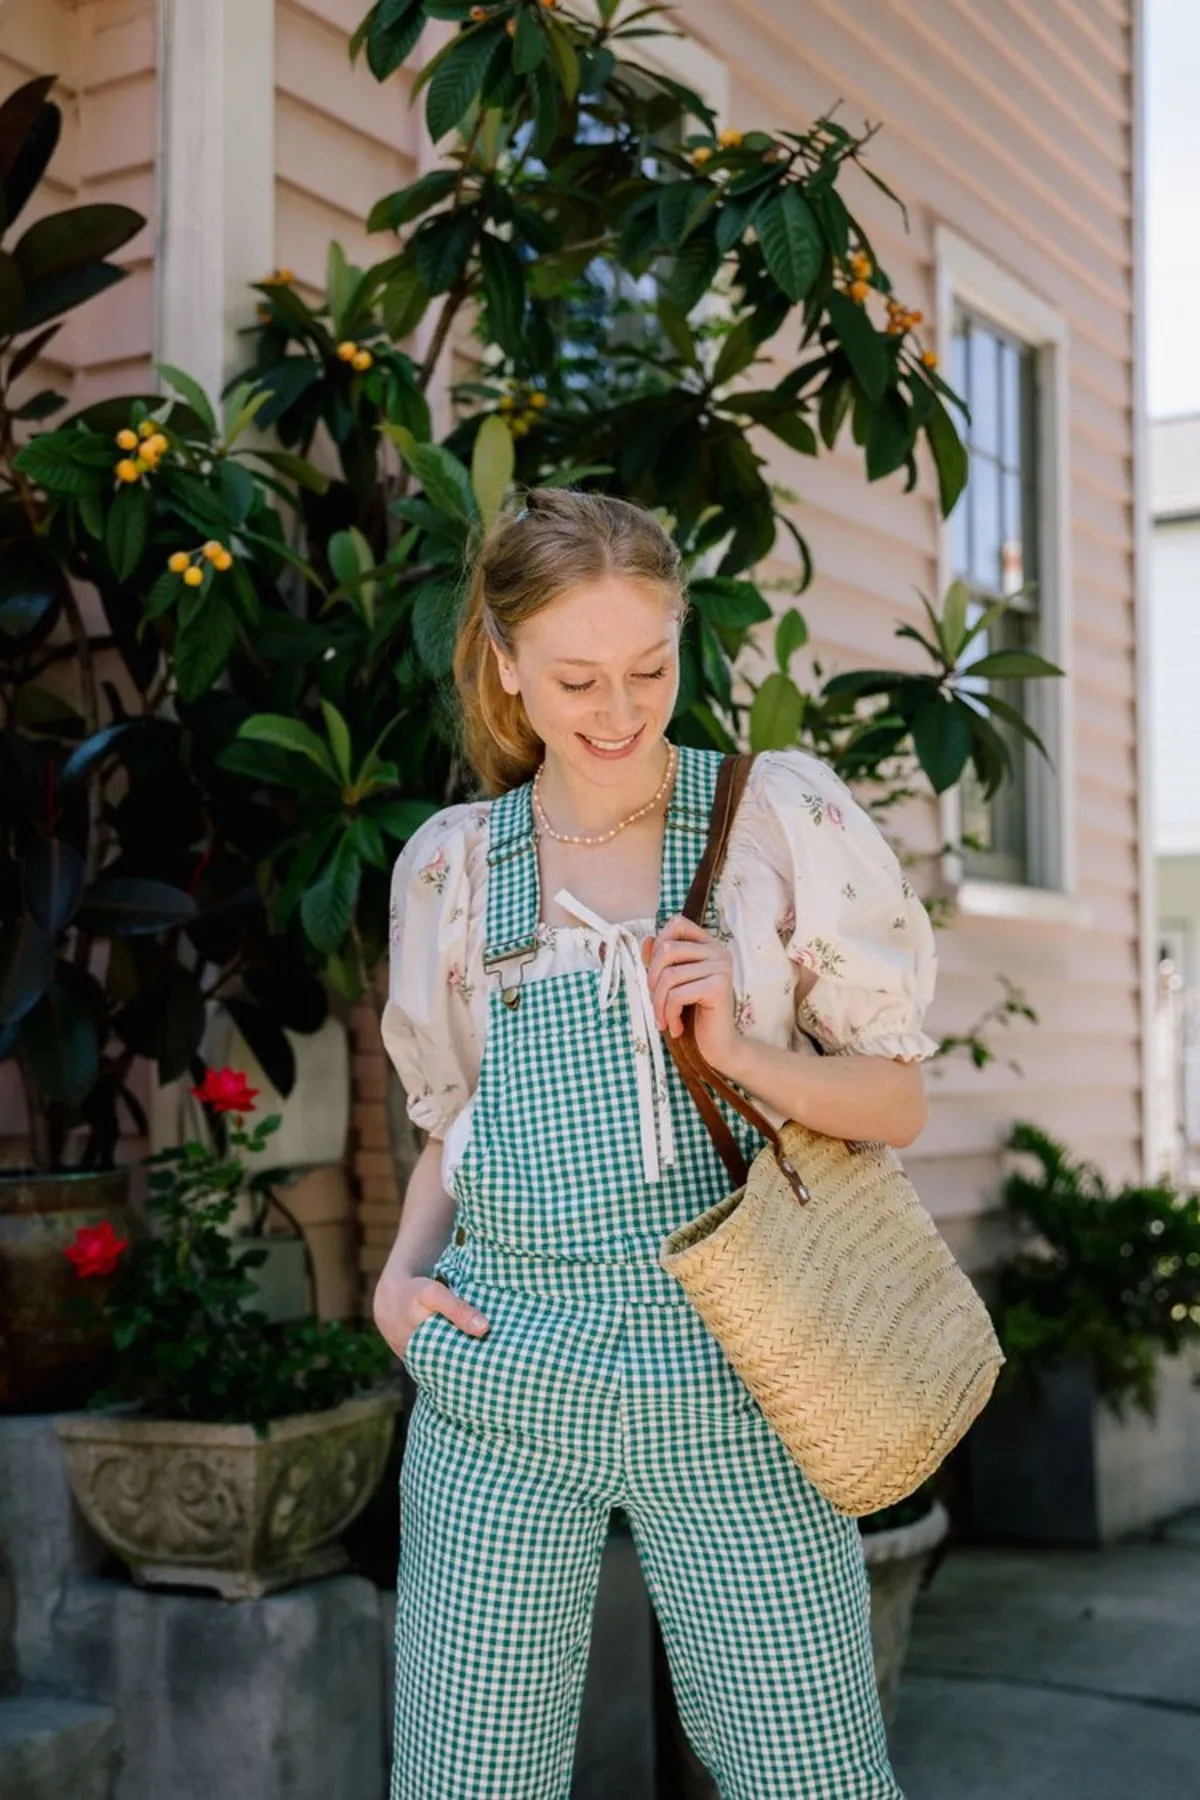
[{"x": 580, "y": 807}]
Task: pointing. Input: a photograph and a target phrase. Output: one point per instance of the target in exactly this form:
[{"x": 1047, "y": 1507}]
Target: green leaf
[
  {"x": 88, "y": 755},
  {"x": 529, "y": 45},
  {"x": 676, "y": 329},
  {"x": 694, "y": 270},
  {"x": 401, "y": 818},
  {"x": 205, "y": 639},
  {"x": 409, "y": 203},
  {"x": 835, "y": 402},
  {"x": 864, "y": 347},
  {"x": 53, "y": 881},
  {"x": 128, "y": 524},
  {"x": 889, "y": 437},
  {"x": 435, "y": 625},
  {"x": 1011, "y": 717},
  {"x": 457, "y": 80},
  {"x": 791, "y": 241},
  {"x": 504, "y": 292},
  {"x": 777, "y": 714},
  {"x": 30, "y": 126},
  {"x": 351, "y": 558},
  {"x": 793, "y": 429},
  {"x": 1011, "y": 665},
  {"x": 791, "y": 634},
  {"x": 288, "y": 734},
  {"x": 60, "y": 1039},
  {"x": 735, "y": 605},
  {"x": 47, "y": 461},
  {"x": 445, "y": 481},
  {"x": 28, "y": 354},
  {"x": 404, "y": 301},
  {"x": 492, "y": 463},
  {"x": 296, "y": 468},
  {"x": 949, "y": 455},
  {"x": 26, "y": 966},
  {"x": 339, "y": 285},
  {"x": 443, "y": 245},
  {"x": 339, "y": 738},
  {"x": 64, "y": 241},
  {"x": 954, "y": 619},
  {"x": 191, "y": 391},
  {"x": 391, "y": 36},
  {"x": 131, "y": 906},
  {"x": 327, "y": 909},
  {"x": 737, "y": 353},
  {"x": 564, "y": 59},
  {"x": 941, "y": 735},
  {"x": 61, "y": 293}
]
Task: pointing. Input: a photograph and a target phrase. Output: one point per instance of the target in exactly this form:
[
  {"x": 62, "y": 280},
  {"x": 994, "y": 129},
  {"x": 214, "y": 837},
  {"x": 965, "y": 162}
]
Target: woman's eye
[{"x": 581, "y": 687}]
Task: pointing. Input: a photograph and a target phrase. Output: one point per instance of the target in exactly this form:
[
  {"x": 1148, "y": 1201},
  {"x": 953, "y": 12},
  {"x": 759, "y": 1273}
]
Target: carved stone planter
[
  {"x": 896, "y": 1561},
  {"x": 214, "y": 1506}
]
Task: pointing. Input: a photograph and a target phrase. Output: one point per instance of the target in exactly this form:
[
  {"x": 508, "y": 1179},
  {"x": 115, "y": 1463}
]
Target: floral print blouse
[{"x": 808, "y": 883}]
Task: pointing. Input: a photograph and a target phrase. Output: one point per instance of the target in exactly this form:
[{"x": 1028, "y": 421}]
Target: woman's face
[{"x": 598, "y": 671}]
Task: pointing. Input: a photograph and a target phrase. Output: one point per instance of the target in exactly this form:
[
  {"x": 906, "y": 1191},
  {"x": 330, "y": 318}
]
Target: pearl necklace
[{"x": 565, "y": 837}]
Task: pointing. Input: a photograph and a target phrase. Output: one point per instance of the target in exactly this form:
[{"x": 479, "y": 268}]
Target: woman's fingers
[
  {"x": 711, "y": 989},
  {"x": 438, "y": 1298}
]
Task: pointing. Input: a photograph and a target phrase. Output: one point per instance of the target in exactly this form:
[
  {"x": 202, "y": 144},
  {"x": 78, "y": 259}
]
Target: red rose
[
  {"x": 226, "y": 1091},
  {"x": 96, "y": 1250}
]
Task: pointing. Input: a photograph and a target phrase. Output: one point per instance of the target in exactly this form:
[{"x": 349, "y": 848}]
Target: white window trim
[{"x": 966, "y": 275}]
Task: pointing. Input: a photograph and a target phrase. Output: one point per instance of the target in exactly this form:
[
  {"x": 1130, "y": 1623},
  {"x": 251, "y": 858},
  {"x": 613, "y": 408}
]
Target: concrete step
[{"x": 56, "y": 1749}]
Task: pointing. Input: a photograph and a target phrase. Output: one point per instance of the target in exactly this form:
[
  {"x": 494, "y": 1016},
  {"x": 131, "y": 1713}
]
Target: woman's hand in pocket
[{"x": 401, "y": 1305}]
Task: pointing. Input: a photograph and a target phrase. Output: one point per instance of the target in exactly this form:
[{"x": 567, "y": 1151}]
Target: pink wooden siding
[
  {"x": 1011, "y": 125},
  {"x": 341, "y": 139},
  {"x": 103, "y": 52}
]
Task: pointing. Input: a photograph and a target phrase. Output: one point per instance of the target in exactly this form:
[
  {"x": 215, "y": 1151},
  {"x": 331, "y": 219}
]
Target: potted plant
[
  {"x": 1094, "y": 1429},
  {"x": 900, "y": 1544},
  {"x": 228, "y": 1451}
]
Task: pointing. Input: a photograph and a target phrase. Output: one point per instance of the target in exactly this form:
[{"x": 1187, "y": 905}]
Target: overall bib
[{"x": 597, "y": 1387}]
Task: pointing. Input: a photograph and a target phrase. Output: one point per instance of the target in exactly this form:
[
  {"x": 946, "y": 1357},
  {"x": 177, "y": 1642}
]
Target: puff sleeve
[
  {"x": 430, "y": 1025},
  {"x": 853, "y": 918}
]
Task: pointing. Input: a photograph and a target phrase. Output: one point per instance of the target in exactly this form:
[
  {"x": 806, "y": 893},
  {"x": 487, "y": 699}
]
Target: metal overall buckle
[{"x": 510, "y": 988}]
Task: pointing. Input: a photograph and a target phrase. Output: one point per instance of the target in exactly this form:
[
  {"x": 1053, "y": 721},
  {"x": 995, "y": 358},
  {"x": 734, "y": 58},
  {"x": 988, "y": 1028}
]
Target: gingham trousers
[{"x": 597, "y": 1387}]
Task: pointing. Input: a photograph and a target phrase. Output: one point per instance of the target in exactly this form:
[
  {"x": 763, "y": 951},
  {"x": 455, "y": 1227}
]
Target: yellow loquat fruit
[
  {"x": 700, "y": 155},
  {"x": 929, "y": 358},
  {"x": 362, "y": 360},
  {"x": 479, "y": 14},
  {"x": 914, "y": 318},
  {"x": 538, "y": 402},
  {"x": 193, "y": 577},
  {"x": 179, "y": 562},
  {"x": 212, "y": 550},
  {"x": 506, "y": 404},
  {"x": 223, "y": 562},
  {"x": 858, "y": 290},
  {"x": 128, "y": 470},
  {"x": 347, "y": 350},
  {"x": 511, "y": 27},
  {"x": 730, "y": 139},
  {"x": 147, "y": 428},
  {"x": 156, "y": 445},
  {"x": 127, "y": 440}
]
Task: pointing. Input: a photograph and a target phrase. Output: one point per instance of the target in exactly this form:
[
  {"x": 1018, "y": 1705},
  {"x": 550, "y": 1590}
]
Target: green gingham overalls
[{"x": 597, "y": 1387}]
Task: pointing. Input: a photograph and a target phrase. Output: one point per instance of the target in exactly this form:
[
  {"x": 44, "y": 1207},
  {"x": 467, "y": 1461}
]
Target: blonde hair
[{"x": 559, "y": 539}]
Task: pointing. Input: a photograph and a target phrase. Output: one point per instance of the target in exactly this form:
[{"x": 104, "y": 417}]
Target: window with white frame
[{"x": 1007, "y": 540}]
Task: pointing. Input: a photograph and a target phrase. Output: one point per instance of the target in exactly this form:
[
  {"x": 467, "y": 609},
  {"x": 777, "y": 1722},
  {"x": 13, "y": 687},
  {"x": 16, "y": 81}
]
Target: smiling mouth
[{"x": 610, "y": 743}]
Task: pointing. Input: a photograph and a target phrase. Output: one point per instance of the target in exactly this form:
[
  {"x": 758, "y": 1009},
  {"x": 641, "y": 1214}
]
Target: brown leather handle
[{"x": 697, "y": 1072}]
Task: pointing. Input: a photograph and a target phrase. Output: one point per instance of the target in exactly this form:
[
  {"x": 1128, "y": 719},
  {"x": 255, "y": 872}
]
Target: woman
[{"x": 537, "y": 957}]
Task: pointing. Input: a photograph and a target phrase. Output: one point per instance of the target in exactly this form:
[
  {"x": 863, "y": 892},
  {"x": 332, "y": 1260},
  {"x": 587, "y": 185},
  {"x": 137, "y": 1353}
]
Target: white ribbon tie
[{"x": 623, "y": 959}]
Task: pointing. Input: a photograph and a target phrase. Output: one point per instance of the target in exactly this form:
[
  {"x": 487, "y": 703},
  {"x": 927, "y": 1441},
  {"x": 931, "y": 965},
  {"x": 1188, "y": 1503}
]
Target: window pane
[
  {"x": 1011, "y": 446},
  {"x": 984, "y": 380},
  {"x": 1012, "y": 548},
  {"x": 983, "y": 494}
]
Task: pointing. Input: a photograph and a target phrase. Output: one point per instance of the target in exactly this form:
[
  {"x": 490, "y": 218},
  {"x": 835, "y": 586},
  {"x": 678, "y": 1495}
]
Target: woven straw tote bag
[{"x": 827, "y": 1284}]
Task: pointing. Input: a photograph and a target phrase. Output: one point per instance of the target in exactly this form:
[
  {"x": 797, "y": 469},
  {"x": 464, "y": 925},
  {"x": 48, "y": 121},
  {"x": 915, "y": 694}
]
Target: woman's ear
[{"x": 509, "y": 679}]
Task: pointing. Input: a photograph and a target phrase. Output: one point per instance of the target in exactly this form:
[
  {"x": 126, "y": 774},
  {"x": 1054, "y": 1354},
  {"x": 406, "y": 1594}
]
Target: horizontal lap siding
[
  {"x": 1010, "y": 124},
  {"x": 342, "y": 140}
]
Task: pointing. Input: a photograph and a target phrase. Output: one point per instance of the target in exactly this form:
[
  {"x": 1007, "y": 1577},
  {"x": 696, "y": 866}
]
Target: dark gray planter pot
[{"x": 1062, "y": 1469}]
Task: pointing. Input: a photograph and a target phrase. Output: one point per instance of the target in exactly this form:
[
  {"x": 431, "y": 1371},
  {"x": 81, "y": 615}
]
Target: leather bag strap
[{"x": 697, "y": 1072}]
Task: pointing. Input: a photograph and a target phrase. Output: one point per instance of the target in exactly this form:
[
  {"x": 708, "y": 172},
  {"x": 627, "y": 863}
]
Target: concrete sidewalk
[{"x": 1057, "y": 1675}]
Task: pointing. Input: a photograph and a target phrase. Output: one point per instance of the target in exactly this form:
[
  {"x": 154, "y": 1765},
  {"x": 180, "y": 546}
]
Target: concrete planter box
[
  {"x": 1063, "y": 1470},
  {"x": 896, "y": 1561},
  {"x": 214, "y": 1506}
]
